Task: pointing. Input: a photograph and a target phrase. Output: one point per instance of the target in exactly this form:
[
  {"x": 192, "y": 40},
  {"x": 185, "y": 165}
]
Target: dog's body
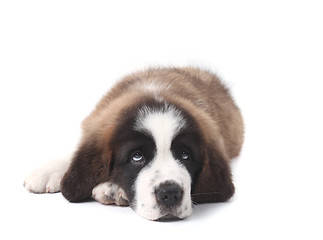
[{"x": 157, "y": 141}]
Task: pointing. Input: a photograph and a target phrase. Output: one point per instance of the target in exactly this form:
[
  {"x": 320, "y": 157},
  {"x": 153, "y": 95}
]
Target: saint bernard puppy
[{"x": 159, "y": 141}]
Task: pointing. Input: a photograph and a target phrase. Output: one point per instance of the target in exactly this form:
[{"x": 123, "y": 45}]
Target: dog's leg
[
  {"x": 47, "y": 179},
  {"x": 110, "y": 193}
]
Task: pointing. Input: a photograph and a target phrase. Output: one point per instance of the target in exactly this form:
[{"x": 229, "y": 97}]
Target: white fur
[
  {"x": 47, "y": 178},
  {"x": 110, "y": 193},
  {"x": 163, "y": 126},
  {"x": 154, "y": 87}
]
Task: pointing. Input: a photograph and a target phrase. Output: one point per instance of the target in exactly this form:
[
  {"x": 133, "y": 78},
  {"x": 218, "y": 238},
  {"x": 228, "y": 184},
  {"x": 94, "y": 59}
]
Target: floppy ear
[
  {"x": 89, "y": 167},
  {"x": 214, "y": 184}
]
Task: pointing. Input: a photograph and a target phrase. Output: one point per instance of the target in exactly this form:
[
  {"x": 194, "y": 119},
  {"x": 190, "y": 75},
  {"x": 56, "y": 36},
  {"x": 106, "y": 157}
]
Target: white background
[{"x": 57, "y": 58}]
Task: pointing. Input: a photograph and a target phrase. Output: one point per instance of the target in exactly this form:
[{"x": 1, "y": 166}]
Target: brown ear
[
  {"x": 214, "y": 184},
  {"x": 89, "y": 167}
]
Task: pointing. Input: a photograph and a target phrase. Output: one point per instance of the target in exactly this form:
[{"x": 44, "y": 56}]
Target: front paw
[
  {"x": 43, "y": 182},
  {"x": 110, "y": 193},
  {"x": 47, "y": 179}
]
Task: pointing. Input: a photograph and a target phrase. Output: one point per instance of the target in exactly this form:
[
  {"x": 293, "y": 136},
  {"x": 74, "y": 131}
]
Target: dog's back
[{"x": 190, "y": 87}]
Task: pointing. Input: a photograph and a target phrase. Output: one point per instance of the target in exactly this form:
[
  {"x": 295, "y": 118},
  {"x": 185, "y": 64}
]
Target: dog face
[{"x": 156, "y": 159}]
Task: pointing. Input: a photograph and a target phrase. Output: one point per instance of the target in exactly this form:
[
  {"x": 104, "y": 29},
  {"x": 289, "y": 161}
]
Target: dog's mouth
[
  {"x": 170, "y": 215},
  {"x": 169, "y": 218}
]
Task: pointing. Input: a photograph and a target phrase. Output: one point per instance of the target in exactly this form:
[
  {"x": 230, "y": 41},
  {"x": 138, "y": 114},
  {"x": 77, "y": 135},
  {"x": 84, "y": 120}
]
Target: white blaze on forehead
[{"x": 163, "y": 125}]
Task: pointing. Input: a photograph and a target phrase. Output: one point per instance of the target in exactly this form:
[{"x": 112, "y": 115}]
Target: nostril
[{"x": 169, "y": 194}]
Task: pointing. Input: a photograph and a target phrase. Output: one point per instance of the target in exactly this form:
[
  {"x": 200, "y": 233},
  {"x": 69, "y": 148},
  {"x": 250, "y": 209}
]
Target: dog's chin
[
  {"x": 163, "y": 214},
  {"x": 169, "y": 218}
]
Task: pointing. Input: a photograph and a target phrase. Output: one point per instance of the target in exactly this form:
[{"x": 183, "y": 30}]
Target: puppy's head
[{"x": 159, "y": 155}]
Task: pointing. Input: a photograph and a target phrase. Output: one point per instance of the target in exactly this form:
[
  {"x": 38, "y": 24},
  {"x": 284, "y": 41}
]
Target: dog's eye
[
  {"x": 185, "y": 156},
  {"x": 137, "y": 157}
]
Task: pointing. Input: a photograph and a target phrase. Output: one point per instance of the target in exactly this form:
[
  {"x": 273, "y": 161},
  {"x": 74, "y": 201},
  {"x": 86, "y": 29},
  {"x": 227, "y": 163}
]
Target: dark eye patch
[
  {"x": 134, "y": 144},
  {"x": 186, "y": 148},
  {"x": 187, "y": 143},
  {"x": 130, "y": 145}
]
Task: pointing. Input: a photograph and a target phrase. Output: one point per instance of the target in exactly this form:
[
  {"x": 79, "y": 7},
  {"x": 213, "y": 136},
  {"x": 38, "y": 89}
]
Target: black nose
[{"x": 169, "y": 194}]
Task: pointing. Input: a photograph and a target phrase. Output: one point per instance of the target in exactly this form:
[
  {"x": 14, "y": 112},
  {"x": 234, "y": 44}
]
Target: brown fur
[{"x": 199, "y": 93}]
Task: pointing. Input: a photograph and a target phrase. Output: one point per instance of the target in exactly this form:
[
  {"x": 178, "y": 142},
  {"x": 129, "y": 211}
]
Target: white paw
[
  {"x": 46, "y": 179},
  {"x": 41, "y": 182},
  {"x": 110, "y": 193}
]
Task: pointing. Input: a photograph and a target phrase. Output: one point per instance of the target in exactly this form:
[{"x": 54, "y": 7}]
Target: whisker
[
  {"x": 194, "y": 203},
  {"x": 199, "y": 194},
  {"x": 208, "y": 193}
]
